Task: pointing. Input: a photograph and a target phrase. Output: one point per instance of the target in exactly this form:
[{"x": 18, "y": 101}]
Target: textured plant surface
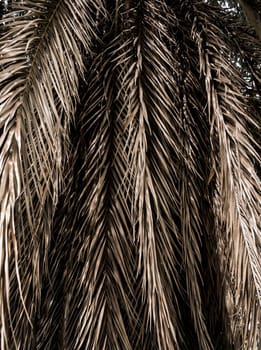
[{"x": 130, "y": 175}]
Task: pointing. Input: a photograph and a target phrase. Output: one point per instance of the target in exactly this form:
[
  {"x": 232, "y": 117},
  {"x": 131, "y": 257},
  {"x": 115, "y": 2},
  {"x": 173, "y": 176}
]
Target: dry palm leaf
[
  {"x": 41, "y": 58},
  {"x": 130, "y": 218}
]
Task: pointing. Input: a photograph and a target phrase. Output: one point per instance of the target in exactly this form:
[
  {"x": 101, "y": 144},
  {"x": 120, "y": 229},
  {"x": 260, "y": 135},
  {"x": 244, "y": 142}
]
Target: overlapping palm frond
[
  {"x": 146, "y": 107},
  {"x": 101, "y": 261},
  {"x": 237, "y": 184},
  {"x": 41, "y": 59},
  {"x": 130, "y": 215}
]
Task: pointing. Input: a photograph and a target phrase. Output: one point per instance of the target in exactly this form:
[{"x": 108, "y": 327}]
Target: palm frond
[
  {"x": 192, "y": 178},
  {"x": 41, "y": 59},
  {"x": 144, "y": 67},
  {"x": 100, "y": 262},
  {"x": 129, "y": 175},
  {"x": 236, "y": 181}
]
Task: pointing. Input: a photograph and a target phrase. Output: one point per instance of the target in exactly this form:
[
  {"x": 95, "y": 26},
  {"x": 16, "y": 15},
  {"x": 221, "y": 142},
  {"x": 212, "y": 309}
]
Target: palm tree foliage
[{"x": 129, "y": 175}]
